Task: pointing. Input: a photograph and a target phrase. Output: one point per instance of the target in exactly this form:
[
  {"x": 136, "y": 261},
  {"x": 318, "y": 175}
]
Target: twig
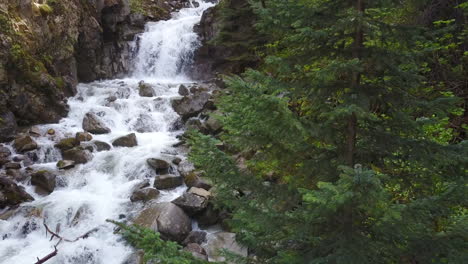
[{"x": 56, "y": 235}]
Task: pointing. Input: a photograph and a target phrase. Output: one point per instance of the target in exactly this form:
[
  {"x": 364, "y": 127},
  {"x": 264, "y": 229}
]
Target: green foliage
[
  {"x": 45, "y": 9},
  {"x": 155, "y": 249},
  {"x": 355, "y": 159}
]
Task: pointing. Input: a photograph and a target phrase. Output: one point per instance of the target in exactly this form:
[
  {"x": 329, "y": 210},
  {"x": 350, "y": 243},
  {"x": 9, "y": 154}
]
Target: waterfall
[{"x": 90, "y": 193}]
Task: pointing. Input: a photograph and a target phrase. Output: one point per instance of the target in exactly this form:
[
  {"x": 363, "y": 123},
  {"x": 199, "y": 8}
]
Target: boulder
[
  {"x": 77, "y": 154},
  {"x": 191, "y": 203},
  {"x": 145, "y": 89},
  {"x": 12, "y": 194},
  {"x": 4, "y": 154},
  {"x": 183, "y": 90},
  {"x": 197, "y": 251},
  {"x": 159, "y": 165},
  {"x": 193, "y": 179},
  {"x": 167, "y": 219},
  {"x": 65, "y": 164},
  {"x": 101, "y": 146},
  {"x": 197, "y": 237},
  {"x": 223, "y": 240},
  {"x": 35, "y": 131},
  {"x": 93, "y": 124},
  {"x": 213, "y": 125},
  {"x": 45, "y": 180},
  {"x": 144, "y": 195},
  {"x": 200, "y": 192},
  {"x": 176, "y": 160},
  {"x": 51, "y": 132},
  {"x": 24, "y": 143},
  {"x": 12, "y": 166},
  {"x": 168, "y": 181},
  {"x": 83, "y": 137},
  {"x": 208, "y": 217},
  {"x": 8, "y": 127},
  {"x": 129, "y": 140},
  {"x": 67, "y": 143},
  {"x": 190, "y": 106}
]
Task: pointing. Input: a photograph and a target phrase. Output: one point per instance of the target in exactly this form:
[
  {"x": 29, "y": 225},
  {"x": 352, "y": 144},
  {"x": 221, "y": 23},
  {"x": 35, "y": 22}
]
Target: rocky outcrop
[
  {"x": 227, "y": 40},
  {"x": 11, "y": 194},
  {"x": 166, "y": 218},
  {"x": 47, "y": 47}
]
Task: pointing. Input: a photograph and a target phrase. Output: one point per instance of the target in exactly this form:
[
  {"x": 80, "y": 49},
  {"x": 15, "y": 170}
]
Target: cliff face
[
  {"x": 228, "y": 39},
  {"x": 48, "y": 46}
]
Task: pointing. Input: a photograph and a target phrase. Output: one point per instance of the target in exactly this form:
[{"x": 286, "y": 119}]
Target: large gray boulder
[
  {"x": 93, "y": 124},
  {"x": 44, "y": 180},
  {"x": 24, "y": 143},
  {"x": 168, "y": 181},
  {"x": 144, "y": 195},
  {"x": 191, "y": 203},
  {"x": 101, "y": 145},
  {"x": 159, "y": 165},
  {"x": 223, "y": 240},
  {"x": 190, "y": 106},
  {"x": 11, "y": 194},
  {"x": 167, "y": 219},
  {"x": 77, "y": 154},
  {"x": 145, "y": 89},
  {"x": 129, "y": 141}
]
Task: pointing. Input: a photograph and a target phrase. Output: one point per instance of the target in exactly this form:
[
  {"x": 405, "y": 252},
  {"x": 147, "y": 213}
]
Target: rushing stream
[{"x": 89, "y": 194}]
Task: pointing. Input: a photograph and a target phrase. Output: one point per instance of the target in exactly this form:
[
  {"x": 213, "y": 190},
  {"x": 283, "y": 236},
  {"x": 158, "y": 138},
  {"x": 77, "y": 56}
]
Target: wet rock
[
  {"x": 197, "y": 251},
  {"x": 65, "y": 164},
  {"x": 129, "y": 140},
  {"x": 111, "y": 98},
  {"x": 220, "y": 241},
  {"x": 80, "y": 214},
  {"x": 193, "y": 179},
  {"x": 177, "y": 160},
  {"x": 24, "y": 143},
  {"x": 4, "y": 154},
  {"x": 51, "y": 132},
  {"x": 77, "y": 154},
  {"x": 183, "y": 90},
  {"x": 17, "y": 175},
  {"x": 168, "y": 181},
  {"x": 136, "y": 258},
  {"x": 145, "y": 89},
  {"x": 159, "y": 165},
  {"x": 166, "y": 218},
  {"x": 12, "y": 194},
  {"x": 144, "y": 195},
  {"x": 8, "y": 126},
  {"x": 144, "y": 124},
  {"x": 45, "y": 180},
  {"x": 12, "y": 166},
  {"x": 93, "y": 124},
  {"x": 101, "y": 146},
  {"x": 83, "y": 137},
  {"x": 191, "y": 203},
  {"x": 208, "y": 217},
  {"x": 67, "y": 143},
  {"x": 35, "y": 131},
  {"x": 190, "y": 106},
  {"x": 197, "y": 237}
]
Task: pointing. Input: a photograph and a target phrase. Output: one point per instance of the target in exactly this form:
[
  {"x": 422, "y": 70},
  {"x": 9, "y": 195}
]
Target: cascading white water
[{"x": 91, "y": 193}]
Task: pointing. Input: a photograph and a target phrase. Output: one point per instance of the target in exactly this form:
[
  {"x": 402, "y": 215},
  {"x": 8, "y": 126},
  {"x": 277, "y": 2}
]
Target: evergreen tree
[{"x": 349, "y": 135}]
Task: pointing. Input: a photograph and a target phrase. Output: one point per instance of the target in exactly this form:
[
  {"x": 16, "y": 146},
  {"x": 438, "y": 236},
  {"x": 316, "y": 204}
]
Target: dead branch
[{"x": 56, "y": 235}]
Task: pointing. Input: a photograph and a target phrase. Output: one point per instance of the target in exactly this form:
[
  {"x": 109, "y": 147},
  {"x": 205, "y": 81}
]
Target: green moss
[
  {"x": 65, "y": 144},
  {"x": 45, "y": 9}
]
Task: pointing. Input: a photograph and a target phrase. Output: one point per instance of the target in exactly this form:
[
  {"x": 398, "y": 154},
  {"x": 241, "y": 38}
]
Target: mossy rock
[{"x": 66, "y": 144}]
